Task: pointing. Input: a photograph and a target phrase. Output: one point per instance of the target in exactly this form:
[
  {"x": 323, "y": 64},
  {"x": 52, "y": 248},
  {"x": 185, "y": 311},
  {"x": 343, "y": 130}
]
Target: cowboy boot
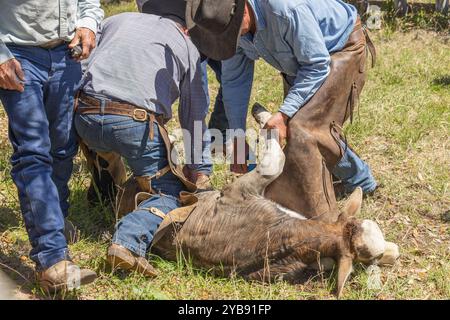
[
  {"x": 121, "y": 258},
  {"x": 64, "y": 275}
]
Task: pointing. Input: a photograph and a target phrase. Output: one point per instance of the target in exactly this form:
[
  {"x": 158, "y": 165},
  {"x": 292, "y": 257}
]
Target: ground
[{"x": 401, "y": 130}]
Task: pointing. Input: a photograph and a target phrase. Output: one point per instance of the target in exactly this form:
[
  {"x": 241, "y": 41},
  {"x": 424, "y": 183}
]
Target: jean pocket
[
  {"x": 32, "y": 75},
  {"x": 131, "y": 138},
  {"x": 87, "y": 130}
]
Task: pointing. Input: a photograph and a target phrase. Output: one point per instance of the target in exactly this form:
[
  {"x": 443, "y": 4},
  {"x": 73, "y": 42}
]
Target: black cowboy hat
[
  {"x": 215, "y": 26},
  {"x": 163, "y": 8}
]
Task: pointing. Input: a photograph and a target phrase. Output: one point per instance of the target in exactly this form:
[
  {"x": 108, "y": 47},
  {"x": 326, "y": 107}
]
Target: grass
[{"x": 402, "y": 131}]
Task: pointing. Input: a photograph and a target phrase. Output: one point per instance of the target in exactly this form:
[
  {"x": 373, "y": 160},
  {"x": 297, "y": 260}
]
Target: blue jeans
[
  {"x": 130, "y": 139},
  {"x": 218, "y": 119},
  {"x": 354, "y": 172},
  {"x": 44, "y": 144}
]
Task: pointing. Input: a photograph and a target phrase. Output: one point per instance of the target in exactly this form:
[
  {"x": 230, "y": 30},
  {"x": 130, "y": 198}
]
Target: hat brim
[{"x": 216, "y": 46}]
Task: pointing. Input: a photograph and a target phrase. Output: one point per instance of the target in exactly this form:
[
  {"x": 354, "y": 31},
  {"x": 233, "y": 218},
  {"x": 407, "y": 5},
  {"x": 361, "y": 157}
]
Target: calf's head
[{"x": 363, "y": 241}]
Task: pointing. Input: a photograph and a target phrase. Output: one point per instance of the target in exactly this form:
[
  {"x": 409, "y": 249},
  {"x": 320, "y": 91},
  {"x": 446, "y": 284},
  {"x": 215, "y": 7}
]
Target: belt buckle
[{"x": 140, "y": 115}]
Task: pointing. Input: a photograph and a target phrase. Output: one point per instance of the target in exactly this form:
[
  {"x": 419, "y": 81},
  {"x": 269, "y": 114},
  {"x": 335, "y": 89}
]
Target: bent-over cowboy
[
  {"x": 143, "y": 63},
  {"x": 298, "y": 38}
]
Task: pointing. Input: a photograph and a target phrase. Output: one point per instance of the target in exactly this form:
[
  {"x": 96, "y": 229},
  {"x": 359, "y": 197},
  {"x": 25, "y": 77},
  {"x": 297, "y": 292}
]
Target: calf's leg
[{"x": 255, "y": 182}]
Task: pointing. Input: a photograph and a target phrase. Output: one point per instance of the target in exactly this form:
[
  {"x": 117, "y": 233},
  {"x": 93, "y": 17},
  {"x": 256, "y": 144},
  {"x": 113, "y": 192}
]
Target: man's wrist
[
  {"x": 285, "y": 117},
  {"x": 88, "y": 23},
  {"x": 5, "y": 54},
  {"x": 288, "y": 110}
]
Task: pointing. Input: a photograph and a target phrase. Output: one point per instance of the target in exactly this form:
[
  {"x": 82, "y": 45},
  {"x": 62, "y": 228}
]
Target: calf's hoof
[{"x": 261, "y": 114}]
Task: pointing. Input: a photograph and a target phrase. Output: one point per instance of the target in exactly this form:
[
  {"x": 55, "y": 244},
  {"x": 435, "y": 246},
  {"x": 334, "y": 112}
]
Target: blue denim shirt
[{"x": 294, "y": 36}]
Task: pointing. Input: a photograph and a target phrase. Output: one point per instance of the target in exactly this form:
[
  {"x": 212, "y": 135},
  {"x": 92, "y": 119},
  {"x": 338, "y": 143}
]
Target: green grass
[
  {"x": 402, "y": 130},
  {"x": 124, "y": 6}
]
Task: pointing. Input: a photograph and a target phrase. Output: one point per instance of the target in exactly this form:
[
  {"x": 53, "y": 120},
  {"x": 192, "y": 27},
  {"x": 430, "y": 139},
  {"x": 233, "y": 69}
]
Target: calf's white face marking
[{"x": 370, "y": 243}]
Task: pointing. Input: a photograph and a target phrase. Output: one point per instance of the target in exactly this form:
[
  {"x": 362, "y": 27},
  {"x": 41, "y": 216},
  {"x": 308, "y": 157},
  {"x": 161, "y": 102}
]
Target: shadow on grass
[
  {"x": 92, "y": 221},
  {"x": 25, "y": 278},
  {"x": 443, "y": 81},
  {"x": 9, "y": 218},
  {"x": 20, "y": 273},
  {"x": 21, "y": 270}
]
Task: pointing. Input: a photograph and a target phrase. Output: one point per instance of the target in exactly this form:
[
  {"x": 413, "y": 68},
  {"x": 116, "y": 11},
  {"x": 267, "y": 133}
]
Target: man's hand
[
  {"x": 86, "y": 38},
  {"x": 11, "y": 75},
  {"x": 279, "y": 122}
]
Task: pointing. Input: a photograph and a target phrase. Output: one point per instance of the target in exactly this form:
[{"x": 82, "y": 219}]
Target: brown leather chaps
[{"x": 312, "y": 149}]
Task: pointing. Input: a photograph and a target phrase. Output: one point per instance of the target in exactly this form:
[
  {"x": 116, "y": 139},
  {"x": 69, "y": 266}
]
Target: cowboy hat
[
  {"x": 215, "y": 26},
  {"x": 163, "y": 8}
]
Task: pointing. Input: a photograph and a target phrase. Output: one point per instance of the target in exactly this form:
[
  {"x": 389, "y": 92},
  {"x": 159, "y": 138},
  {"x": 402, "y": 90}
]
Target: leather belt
[{"x": 91, "y": 105}]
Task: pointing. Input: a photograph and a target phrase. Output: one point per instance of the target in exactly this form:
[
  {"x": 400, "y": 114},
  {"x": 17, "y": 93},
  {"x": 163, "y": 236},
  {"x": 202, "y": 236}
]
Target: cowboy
[
  {"x": 143, "y": 63},
  {"x": 218, "y": 119},
  {"x": 298, "y": 38},
  {"x": 38, "y": 81}
]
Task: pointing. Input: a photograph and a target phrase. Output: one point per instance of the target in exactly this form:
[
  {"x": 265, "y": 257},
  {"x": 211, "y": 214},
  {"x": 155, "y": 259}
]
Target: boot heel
[{"x": 118, "y": 259}]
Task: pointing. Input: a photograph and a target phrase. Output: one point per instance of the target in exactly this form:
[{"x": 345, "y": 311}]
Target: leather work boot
[
  {"x": 121, "y": 258},
  {"x": 70, "y": 232},
  {"x": 64, "y": 275}
]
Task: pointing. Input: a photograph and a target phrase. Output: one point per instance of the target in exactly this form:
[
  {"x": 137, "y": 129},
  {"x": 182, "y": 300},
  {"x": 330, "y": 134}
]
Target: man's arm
[
  {"x": 237, "y": 80},
  {"x": 11, "y": 73},
  {"x": 192, "y": 113},
  {"x": 309, "y": 48},
  {"x": 91, "y": 14},
  {"x": 306, "y": 39},
  {"x": 86, "y": 28}
]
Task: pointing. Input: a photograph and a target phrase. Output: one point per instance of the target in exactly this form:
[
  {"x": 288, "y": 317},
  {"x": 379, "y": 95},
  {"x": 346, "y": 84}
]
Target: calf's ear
[
  {"x": 353, "y": 205},
  {"x": 344, "y": 271}
]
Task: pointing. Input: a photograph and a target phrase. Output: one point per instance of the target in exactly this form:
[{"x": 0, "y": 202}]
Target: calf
[{"x": 238, "y": 231}]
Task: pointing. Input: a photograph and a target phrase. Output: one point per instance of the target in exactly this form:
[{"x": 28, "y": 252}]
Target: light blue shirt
[{"x": 294, "y": 36}]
